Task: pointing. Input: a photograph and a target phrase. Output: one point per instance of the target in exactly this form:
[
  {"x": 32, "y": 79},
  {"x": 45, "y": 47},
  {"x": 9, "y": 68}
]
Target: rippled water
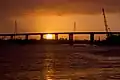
[{"x": 59, "y": 62}]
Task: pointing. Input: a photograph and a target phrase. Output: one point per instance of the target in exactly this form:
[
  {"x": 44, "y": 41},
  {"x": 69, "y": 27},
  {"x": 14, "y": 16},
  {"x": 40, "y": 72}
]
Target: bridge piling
[
  {"x": 12, "y": 37},
  {"x": 41, "y": 36},
  {"x": 91, "y": 37},
  {"x": 71, "y": 38},
  {"x": 26, "y": 37},
  {"x": 56, "y": 36}
]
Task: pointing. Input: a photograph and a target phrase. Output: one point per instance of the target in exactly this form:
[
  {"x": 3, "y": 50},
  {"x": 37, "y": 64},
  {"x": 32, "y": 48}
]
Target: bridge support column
[
  {"x": 56, "y": 36},
  {"x": 26, "y": 37},
  {"x": 71, "y": 38},
  {"x": 91, "y": 37},
  {"x": 12, "y": 37},
  {"x": 41, "y": 36}
]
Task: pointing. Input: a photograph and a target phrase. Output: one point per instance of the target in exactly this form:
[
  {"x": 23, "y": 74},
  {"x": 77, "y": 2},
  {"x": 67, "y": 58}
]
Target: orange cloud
[{"x": 22, "y": 7}]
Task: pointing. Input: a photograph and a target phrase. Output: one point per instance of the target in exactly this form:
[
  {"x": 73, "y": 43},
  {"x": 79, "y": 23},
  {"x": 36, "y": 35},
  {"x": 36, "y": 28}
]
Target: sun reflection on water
[{"x": 49, "y": 66}]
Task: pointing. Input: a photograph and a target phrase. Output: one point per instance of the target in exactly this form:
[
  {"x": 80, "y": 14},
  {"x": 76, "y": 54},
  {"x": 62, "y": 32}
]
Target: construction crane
[{"x": 107, "y": 29}]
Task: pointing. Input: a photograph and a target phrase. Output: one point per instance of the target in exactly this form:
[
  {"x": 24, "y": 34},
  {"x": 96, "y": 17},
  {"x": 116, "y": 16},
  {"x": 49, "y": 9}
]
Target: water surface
[{"x": 59, "y": 62}]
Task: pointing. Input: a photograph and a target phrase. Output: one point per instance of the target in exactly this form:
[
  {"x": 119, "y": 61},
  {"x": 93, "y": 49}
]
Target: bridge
[{"x": 71, "y": 34}]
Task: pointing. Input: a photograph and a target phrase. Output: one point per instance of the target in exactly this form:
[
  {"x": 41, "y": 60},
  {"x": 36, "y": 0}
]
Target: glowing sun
[{"x": 49, "y": 36}]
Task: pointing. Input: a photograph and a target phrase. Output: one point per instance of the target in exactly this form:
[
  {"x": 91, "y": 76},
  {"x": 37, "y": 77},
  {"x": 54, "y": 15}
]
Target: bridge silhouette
[{"x": 71, "y": 34}]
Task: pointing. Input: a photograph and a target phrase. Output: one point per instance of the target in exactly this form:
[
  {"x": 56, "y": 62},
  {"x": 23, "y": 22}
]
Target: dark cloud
[{"x": 21, "y": 7}]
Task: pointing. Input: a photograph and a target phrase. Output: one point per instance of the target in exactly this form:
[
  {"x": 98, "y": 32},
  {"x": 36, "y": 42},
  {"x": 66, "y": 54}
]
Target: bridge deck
[{"x": 10, "y": 34}]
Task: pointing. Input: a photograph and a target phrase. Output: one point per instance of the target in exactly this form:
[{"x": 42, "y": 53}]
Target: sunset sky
[{"x": 58, "y": 15}]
